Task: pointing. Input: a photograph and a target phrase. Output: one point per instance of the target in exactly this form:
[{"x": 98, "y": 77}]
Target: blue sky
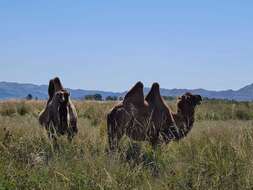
[{"x": 109, "y": 45}]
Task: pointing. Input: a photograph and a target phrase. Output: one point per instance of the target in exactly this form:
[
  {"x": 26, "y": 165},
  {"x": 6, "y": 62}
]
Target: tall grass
[
  {"x": 218, "y": 153},
  {"x": 96, "y": 111}
]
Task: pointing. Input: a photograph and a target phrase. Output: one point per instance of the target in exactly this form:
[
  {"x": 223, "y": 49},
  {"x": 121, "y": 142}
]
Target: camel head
[
  {"x": 184, "y": 117},
  {"x": 57, "y": 93},
  {"x": 188, "y": 102},
  {"x": 56, "y": 90},
  {"x": 62, "y": 96}
]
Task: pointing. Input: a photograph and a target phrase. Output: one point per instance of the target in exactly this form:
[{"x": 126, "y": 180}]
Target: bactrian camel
[
  {"x": 150, "y": 119},
  {"x": 60, "y": 116}
]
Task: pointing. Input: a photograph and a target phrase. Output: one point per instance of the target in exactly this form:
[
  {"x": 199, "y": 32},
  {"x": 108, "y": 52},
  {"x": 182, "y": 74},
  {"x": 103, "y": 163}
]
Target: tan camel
[{"x": 150, "y": 119}]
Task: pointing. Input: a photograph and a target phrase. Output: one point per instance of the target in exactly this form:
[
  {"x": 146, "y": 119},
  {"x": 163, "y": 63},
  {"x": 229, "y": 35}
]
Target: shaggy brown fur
[
  {"x": 60, "y": 115},
  {"x": 129, "y": 117},
  {"x": 150, "y": 119},
  {"x": 51, "y": 90}
]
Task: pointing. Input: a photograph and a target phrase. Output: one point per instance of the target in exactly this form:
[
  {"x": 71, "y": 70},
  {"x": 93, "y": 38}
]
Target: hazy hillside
[{"x": 12, "y": 90}]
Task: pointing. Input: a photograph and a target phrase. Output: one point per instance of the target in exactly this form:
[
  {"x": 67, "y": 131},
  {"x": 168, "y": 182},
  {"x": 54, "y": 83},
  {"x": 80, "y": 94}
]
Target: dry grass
[{"x": 218, "y": 153}]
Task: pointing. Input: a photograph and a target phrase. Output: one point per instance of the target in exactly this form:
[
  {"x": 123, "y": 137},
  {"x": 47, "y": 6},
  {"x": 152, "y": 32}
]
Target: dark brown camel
[
  {"x": 150, "y": 119},
  {"x": 59, "y": 117},
  {"x": 172, "y": 126}
]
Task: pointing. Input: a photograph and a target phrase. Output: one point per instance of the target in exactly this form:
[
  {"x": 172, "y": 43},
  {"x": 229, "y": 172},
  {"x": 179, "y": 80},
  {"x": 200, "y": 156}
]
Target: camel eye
[{"x": 189, "y": 100}]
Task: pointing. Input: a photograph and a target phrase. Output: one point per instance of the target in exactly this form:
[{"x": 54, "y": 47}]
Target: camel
[
  {"x": 172, "y": 126},
  {"x": 150, "y": 119},
  {"x": 60, "y": 115}
]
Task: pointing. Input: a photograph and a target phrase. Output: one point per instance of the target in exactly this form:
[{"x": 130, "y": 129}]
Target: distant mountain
[{"x": 13, "y": 90}]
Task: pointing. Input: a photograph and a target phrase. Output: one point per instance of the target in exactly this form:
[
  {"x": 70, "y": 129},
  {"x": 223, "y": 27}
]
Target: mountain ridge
[{"x": 15, "y": 90}]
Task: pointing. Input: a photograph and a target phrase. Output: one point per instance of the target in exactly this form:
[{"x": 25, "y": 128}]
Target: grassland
[{"x": 218, "y": 153}]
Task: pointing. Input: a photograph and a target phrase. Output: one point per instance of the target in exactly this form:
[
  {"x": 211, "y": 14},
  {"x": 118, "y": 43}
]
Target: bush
[
  {"x": 243, "y": 115},
  {"x": 23, "y": 108}
]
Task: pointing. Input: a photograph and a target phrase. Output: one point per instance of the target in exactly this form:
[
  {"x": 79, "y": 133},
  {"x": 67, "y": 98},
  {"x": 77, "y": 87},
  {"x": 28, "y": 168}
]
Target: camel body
[
  {"x": 60, "y": 116},
  {"x": 150, "y": 119}
]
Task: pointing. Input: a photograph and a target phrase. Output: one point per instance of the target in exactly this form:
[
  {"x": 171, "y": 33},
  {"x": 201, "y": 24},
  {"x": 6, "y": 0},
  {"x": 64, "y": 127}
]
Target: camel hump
[
  {"x": 154, "y": 96},
  {"x": 135, "y": 95},
  {"x": 51, "y": 89},
  {"x": 57, "y": 84}
]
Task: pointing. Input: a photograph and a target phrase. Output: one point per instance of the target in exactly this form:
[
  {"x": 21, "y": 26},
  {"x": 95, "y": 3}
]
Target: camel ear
[
  {"x": 66, "y": 95},
  {"x": 154, "y": 95},
  {"x": 197, "y": 99},
  {"x": 57, "y": 84},
  {"x": 135, "y": 95},
  {"x": 51, "y": 89}
]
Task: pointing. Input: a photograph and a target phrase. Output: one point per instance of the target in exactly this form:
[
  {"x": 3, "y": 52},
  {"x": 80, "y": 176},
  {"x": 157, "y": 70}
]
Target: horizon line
[{"x": 201, "y": 88}]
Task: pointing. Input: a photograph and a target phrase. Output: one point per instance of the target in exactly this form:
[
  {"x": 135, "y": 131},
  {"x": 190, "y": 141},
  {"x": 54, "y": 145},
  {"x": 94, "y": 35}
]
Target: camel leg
[
  {"x": 51, "y": 131},
  {"x": 153, "y": 135},
  {"x": 43, "y": 117},
  {"x": 112, "y": 133},
  {"x": 113, "y": 142},
  {"x": 114, "y": 139},
  {"x": 71, "y": 133},
  {"x": 74, "y": 128}
]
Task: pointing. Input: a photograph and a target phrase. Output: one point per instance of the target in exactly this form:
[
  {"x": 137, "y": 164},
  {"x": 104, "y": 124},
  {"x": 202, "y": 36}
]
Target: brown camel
[
  {"x": 60, "y": 116},
  {"x": 172, "y": 126},
  {"x": 150, "y": 119}
]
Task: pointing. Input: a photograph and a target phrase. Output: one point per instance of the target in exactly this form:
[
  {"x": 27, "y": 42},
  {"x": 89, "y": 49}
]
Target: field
[{"x": 218, "y": 153}]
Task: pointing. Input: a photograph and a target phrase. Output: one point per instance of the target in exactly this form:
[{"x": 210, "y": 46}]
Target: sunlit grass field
[{"x": 218, "y": 153}]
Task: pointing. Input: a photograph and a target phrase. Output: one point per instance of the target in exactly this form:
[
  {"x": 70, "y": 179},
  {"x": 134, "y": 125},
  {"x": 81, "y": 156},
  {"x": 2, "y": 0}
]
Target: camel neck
[{"x": 184, "y": 123}]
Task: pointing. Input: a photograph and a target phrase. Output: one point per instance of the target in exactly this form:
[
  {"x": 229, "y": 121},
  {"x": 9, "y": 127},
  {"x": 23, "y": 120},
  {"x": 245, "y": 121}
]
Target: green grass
[{"x": 218, "y": 153}]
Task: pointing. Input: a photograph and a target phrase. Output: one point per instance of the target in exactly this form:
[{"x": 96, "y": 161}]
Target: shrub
[
  {"x": 23, "y": 108},
  {"x": 243, "y": 115}
]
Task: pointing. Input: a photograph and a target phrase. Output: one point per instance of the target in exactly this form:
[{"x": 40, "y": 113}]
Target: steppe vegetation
[{"x": 218, "y": 153}]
